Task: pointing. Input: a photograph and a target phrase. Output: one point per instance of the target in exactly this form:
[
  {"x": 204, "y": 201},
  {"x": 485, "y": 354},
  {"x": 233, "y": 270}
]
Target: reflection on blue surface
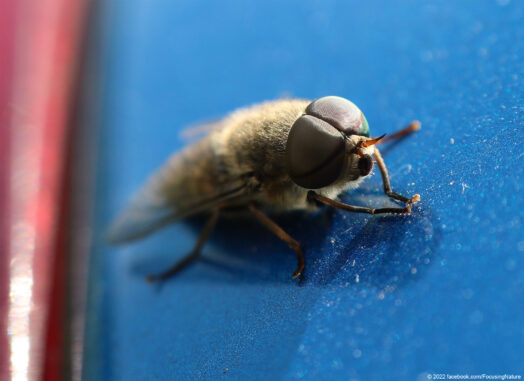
[{"x": 439, "y": 291}]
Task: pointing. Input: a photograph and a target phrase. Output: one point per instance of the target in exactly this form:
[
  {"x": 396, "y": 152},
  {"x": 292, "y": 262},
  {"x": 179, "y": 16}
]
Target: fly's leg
[
  {"x": 204, "y": 235},
  {"x": 413, "y": 126},
  {"x": 280, "y": 233},
  {"x": 358, "y": 209},
  {"x": 387, "y": 185}
]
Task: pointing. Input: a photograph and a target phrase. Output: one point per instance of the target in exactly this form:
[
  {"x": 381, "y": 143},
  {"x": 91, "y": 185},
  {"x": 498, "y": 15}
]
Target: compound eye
[
  {"x": 340, "y": 113},
  {"x": 315, "y": 153}
]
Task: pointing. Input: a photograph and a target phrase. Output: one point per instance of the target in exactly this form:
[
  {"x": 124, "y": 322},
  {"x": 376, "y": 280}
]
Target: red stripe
[
  {"x": 47, "y": 37},
  {"x": 7, "y": 27}
]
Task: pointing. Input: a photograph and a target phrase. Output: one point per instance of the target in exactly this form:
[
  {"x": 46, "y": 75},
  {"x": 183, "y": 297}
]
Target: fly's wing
[
  {"x": 149, "y": 210},
  {"x": 146, "y": 213},
  {"x": 191, "y": 182}
]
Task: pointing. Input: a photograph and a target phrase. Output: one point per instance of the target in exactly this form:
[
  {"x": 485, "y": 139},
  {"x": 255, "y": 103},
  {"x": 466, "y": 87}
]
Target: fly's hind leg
[
  {"x": 204, "y": 235},
  {"x": 280, "y": 233}
]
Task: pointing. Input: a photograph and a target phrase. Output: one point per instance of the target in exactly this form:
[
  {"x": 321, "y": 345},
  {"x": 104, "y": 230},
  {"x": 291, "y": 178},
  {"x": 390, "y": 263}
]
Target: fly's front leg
[
  {"x": 280, "y": 233},
  {"x": 387, "y": 185},
  {"x": 357, "y": 209},
  {"x": 204, "y": 235}
]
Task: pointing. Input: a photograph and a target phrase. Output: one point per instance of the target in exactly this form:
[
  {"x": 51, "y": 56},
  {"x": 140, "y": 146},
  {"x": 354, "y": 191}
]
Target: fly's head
[{"x": 329, "y": 144}]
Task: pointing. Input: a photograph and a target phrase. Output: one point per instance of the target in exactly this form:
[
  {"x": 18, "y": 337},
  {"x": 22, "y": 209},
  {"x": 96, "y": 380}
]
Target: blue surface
[{"x": 440, "y": 291}]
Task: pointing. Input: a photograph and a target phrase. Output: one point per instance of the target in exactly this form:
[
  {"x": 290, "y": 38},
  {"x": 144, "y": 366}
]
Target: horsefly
[{"x": 278, "y": 156}]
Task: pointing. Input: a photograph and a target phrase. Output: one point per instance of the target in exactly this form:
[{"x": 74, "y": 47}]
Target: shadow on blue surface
[{"x": 379, "y": 258}]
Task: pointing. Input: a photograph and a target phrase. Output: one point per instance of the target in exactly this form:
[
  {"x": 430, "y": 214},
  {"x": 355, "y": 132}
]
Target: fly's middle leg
[
  {"x": 280, "y": 233},
  {"x": 204, "y": 235}
]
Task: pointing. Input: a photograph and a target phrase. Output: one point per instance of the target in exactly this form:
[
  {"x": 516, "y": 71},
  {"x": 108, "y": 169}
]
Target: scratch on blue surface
[{"x": 440, "y": 291}]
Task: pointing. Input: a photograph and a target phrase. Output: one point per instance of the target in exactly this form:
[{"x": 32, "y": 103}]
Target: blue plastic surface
[{"x": 440, "y": 291}]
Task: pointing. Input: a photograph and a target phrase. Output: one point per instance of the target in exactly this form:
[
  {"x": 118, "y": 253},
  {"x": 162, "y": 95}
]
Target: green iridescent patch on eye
[{"x": 364, "y": 128}]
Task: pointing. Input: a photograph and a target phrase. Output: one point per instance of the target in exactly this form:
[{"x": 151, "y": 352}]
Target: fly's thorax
[
  {"x": 254, "y": 139},
  {"x": 280, "y": 195}
]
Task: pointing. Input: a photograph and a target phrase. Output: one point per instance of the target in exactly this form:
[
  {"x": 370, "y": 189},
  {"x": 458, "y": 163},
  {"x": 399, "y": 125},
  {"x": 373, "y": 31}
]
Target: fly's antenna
[
  {"x": 413, "y": 126},
  {"x": 369, "y": 143}
]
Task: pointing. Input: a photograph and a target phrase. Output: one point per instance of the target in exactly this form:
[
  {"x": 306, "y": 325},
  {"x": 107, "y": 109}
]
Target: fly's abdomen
[{"x": 192, "y": 181}]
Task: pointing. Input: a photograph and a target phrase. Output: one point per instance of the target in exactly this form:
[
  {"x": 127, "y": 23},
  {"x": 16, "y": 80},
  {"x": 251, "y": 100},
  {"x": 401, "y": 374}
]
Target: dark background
[{"x": 440, "y": 291}]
